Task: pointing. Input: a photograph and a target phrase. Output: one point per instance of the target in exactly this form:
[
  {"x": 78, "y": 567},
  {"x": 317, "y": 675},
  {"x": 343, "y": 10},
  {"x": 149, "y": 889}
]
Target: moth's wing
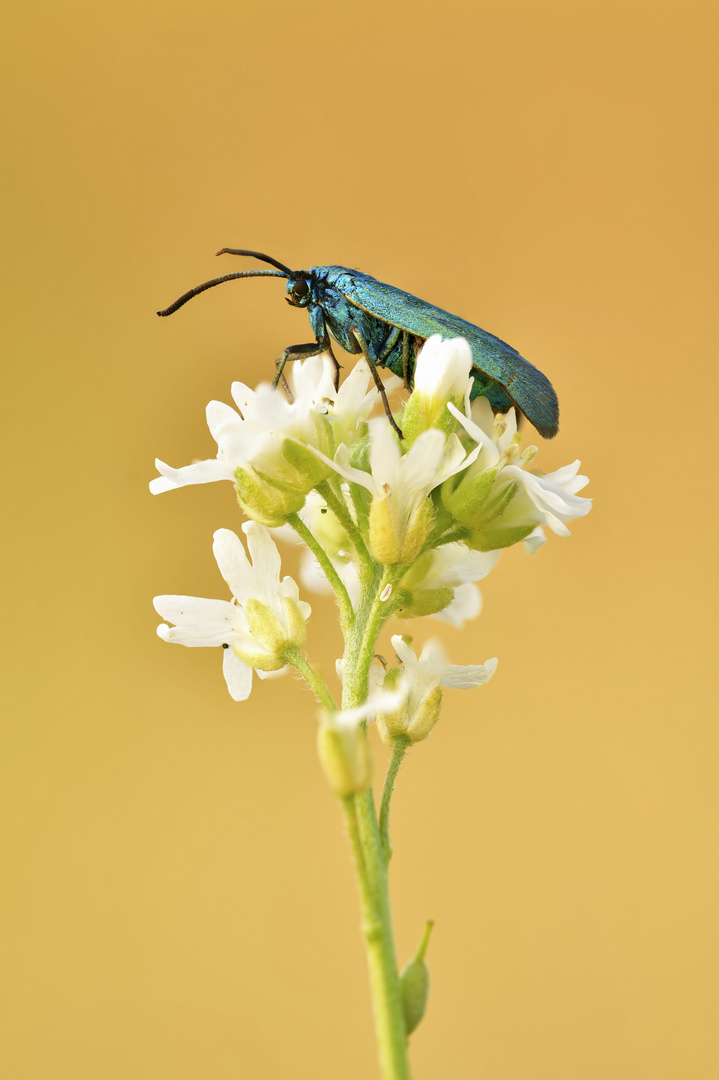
[{"x": 525, "y": 385}]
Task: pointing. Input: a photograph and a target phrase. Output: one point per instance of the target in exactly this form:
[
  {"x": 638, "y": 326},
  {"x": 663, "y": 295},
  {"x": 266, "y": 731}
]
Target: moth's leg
[
  {"x": 378, "y": 382},
  {"x": 295, "y": 352},
  {"x": 405, "y": 359},
  {"x": 337, "y": 365},
  {"x": 389, "y": 344},
  {"x": 319, "y": 329}
]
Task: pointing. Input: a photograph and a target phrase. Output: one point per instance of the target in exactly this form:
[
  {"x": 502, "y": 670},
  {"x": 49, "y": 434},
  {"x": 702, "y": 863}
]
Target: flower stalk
[{"x": 394, "y": 529}]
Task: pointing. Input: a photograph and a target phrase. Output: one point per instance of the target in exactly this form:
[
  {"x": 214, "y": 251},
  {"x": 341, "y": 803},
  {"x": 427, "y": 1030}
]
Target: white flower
[
  {"x": 554, "y": 495},
  {"x": 379, "y": 702},
  {"x": 499, "y": 497},
  {"x": 442, "y": 374},
  {"x": 440, "y": 583},
  {"x": 401, "y": 515},
  {"x": 432, "y": 669},
  {"x": 256, "y": 433},
  {"x": 264, "y": 617},
  {"x": 457, "y": 567},
  {"x": 443, "y": 369},
  {"x": 350, "y": 406},
  {"x": 423, "y": 677}
]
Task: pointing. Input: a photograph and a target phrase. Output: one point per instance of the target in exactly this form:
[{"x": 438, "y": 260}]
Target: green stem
[
  {"x": 313, "y": 678},
  {"x": 379, "y": 942},
  {"x": 368, "y": 851},
  {"x": 339, "y": 508},
  {"x": 343, "y": 599},
  {"x": 363, "y": 641},
  {"x": 401, "y": 743},
  {"x": 421, "y": 951}
]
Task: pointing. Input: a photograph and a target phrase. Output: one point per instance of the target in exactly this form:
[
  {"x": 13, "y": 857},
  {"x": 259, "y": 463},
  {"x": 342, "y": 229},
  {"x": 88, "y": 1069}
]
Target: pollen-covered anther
[{"x": 510, "y": 454}]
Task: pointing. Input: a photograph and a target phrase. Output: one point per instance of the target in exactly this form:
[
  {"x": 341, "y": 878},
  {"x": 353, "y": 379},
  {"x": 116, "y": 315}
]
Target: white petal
[
  {"x": 479, "y": 436},
  {"x": 461, "y": 677},
  {"x": 385, "y": 456},
  {"x": 534, "y": 541},
  {"x": 200, "y": 472},
  {"x": 341, "y": 465},
  {"x": 381, "y": 701},
  {"x": 220, "y": 416},
  {"x": 234, "y": 565},
  {"x": 456, "y": 564},
  {"x": 403, "y": 650},
  {"x": 198, "y": 622},
  {"x": 238, "y": 675},
  {"x": 420, "y": 465},
  {"x": 273, "y": 674},
  {"x": 266, "y": 561},
  {"x": 483, "y": 415}
]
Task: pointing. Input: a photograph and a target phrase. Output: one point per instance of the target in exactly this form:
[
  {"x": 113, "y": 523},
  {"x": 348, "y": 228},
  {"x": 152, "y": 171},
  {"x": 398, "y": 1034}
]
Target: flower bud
[
  {"x": 504, "y": 522},
  {"x": 466, "y": 498},
  {"x": 441, "y": 375},
  {"x": 359, "y": 453},
  {"x": 413, "y": 605},
  {"x": 398, "y": 543},
  {"x": 414, "y": 985},
  {"x": 413, "y": 719},
  {"x": 344, "y": 753},
  {"x": 424, "y": 411},
  {"x": 263, "y": 501},
  {"x": 310, "y": 469},
  {"x": 426, "y": 716},
  {"x": 495, "y": 536},
  {"x": 271, "y": 636},
  {"x": 392, "y": 724}
]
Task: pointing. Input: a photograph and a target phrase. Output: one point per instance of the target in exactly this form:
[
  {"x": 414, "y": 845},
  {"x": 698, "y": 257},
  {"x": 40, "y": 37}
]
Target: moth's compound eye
[{"x": 300, "y": 292}]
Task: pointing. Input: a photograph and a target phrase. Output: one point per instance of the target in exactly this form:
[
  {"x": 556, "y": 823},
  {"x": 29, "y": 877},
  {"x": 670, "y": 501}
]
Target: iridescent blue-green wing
[{"x": 524, "y": 384}]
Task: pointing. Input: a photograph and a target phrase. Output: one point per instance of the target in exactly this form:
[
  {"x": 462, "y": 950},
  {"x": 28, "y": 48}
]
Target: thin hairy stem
[
  {"x": 401, "y": 743},
  {"x": 313, "y": 678},
  {"x": 341, "y": 511},
  {"x": 343, "y": 598}
]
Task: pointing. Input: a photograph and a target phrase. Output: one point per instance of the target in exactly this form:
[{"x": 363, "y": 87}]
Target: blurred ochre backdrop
[{"x": 178, "y": 900}]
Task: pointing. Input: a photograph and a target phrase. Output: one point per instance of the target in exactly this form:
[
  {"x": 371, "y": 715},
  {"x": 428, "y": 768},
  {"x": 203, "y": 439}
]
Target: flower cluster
[{"x": 419, "y": 520}]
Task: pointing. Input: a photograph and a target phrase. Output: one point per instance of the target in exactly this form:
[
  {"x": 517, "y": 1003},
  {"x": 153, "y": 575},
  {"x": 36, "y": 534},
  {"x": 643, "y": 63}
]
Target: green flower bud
[
  {"x": 414, "y": 985},
  {"x": 413, "y": 605},
  {"x": 257, "y": 658},
  {"x": 425, "y": 717},
  {"x": 359, "y": 453},
  {"x": 266, "y": 628},
  {"x": 263, "y": 501},
  {"x": 467, "y": 500},
  {"x": 494, "y": 537},
  {"x": 273, "y": 636},
  {"x": 345, "y": 757},
  {"x": 390, "y": 725},
  {"x": 310, "y": 469},
  {"x": 497, "y": 506},
  {"x": 396, "y": 544},
  {"x": 423, "y": 412}
]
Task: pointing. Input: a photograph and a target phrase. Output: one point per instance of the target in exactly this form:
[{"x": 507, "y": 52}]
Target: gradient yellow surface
[{"x": 178, "y": 898}]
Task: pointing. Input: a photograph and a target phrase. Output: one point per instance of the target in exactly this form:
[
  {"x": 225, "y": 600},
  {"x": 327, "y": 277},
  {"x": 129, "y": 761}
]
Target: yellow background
[{"x": 178, "y": 897}]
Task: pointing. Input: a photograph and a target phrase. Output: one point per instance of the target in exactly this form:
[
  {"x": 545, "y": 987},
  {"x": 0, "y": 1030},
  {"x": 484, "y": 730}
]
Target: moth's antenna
[
  {"x": 255, "y": 255},
  {"x": 218, "y": 281}
]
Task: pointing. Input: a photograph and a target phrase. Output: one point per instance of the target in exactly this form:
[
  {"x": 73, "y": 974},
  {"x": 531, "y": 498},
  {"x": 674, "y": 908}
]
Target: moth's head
[{"x": 299, "y": 291}]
